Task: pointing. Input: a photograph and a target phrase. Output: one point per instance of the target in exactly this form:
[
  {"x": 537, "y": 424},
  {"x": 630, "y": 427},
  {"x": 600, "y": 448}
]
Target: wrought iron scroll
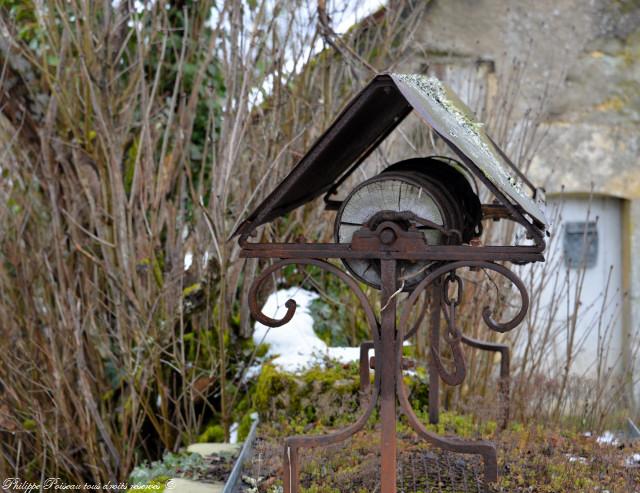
[
  {"x": 486, "y": 311},
  {"x": 257, "y": 313}
]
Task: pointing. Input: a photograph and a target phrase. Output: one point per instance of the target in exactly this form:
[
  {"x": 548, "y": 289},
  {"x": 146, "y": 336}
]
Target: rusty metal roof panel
[{"x": 366, "y": 120}]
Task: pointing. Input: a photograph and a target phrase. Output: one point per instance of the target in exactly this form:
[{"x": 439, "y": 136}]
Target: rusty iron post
[
  {"x": 434, "y": 341},
  {"x": 388, "y": 375},
  {"x": 505, "y": 375}
]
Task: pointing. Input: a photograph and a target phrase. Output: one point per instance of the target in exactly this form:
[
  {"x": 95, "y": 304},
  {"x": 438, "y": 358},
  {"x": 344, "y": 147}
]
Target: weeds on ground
[{"x": 533, "y": 457}]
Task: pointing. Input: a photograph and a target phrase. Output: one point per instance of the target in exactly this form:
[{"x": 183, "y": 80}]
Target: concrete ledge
[{"x": 223, "y": 449}]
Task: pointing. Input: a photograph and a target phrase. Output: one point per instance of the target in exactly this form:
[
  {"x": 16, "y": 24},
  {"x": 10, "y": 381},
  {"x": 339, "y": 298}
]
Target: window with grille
[{"x": 580, "y": 244}]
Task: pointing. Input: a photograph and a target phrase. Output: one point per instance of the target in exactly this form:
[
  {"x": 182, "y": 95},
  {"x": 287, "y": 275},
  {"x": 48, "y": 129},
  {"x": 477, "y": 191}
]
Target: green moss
[
  {"x": 157, "y": 271},
  {"x": 335, "y": 378},
  {"x": 108, "y": 395},
  {"x": 516, "y": 427},
  {"x": 212, "y": 433},
  {"x": 172, "y": 465},
  {"x": 463, "y": 425},
  {"x": 319, "y": 489},
  {"x": 261, "y": 350},
  {"x": 130, "y": 162},
  {"x": 418, "y": 387},
  {"x": 324, "y": 395},
  {"x": 191, "y": 289},
  {"x": 274, "y": 390},
  {"x": 490, "y": 427},
  {"x": 29, "y": 424}
]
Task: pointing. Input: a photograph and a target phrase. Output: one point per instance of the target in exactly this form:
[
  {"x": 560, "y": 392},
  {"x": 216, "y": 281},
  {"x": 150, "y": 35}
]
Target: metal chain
[{"x": 453, "y": 334}]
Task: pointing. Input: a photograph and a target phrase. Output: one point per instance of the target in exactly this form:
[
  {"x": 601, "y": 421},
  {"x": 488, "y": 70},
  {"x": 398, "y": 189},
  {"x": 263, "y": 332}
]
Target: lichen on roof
[
  {"x": 465, "y": 121},
  {"x": 436, "y": 90}
]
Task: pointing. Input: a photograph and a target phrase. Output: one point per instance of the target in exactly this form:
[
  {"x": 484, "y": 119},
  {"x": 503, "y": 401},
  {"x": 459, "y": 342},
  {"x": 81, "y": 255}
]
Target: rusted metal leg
[
  {"x": 365, "y": 382},
  {"x": 434, "y": 342},
  {"x": 387, "y": 363},
  {"x": 388, "y": 382},
  {"x": 505, "y": 376}
]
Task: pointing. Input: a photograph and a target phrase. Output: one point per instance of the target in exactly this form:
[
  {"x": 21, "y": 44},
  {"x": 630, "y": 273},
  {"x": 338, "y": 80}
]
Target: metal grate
[
  {"x": 419, "y": 470},
  {"x": 425, "y": 471}
]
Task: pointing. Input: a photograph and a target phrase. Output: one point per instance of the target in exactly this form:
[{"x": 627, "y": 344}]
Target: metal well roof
[{"x": 367, "y": 119}]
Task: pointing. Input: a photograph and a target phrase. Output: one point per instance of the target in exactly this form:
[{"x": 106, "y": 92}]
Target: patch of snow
[
  {"x": 233, "y": 433},
  {"x": 188, "y": 260},
  {"x": 633, "y": 460},
  {"x": 344, "y": 354},
  {"x": 575, "y": 458},
  {"x": 295, "y": 344},
  {"x": 607, "y": 438},
  {"x": 252, "y": 372}
]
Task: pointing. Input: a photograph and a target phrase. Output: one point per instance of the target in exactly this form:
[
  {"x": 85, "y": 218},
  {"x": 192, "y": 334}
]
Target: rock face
[
  {"x": 578, "y": 69},
  {"x": 570, "y": 66}
]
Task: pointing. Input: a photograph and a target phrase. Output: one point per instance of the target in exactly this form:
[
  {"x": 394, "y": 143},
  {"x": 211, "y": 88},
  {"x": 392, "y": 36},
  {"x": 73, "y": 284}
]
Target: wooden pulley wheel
[{"x": 432, "y": 190}]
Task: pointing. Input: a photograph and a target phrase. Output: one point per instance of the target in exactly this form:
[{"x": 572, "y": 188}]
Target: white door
[{"x": 583, "y": 291}]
